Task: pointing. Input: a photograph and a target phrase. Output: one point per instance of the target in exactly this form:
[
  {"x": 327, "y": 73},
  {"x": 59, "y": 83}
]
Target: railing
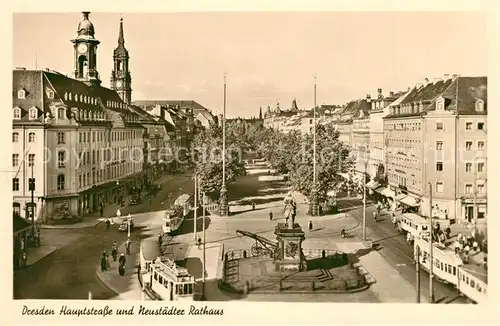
[{"x": 317, "y": 253}]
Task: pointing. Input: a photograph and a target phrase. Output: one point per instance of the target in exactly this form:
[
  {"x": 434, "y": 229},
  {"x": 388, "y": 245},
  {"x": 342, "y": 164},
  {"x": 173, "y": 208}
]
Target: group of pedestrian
[{"x": 105, "y": 263}]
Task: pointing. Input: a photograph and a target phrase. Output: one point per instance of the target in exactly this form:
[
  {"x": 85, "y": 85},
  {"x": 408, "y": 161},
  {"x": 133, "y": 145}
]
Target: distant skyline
[{"x": 268, "y": 56}]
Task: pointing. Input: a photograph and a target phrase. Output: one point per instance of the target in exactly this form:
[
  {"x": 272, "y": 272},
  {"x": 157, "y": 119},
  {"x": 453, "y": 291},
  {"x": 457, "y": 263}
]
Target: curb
[
  {"x": 70, "y": 226},
  {"x": 106, "y": 284}
]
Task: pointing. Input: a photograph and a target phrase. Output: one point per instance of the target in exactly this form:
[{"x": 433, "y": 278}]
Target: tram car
[
  {"x": 169, "y": 281},
  {"x": 412, "y": 225},
  {"x": 448, "y": 267},
  {"x": 174, "y": 217},
  {"x": 473, "y": 283}
]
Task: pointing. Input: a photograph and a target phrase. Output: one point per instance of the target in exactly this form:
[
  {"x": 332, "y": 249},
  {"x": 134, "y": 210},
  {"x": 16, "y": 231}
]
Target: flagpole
[
  {"x": 223, "y": 207},
  {"x": 313, "y": 208}
]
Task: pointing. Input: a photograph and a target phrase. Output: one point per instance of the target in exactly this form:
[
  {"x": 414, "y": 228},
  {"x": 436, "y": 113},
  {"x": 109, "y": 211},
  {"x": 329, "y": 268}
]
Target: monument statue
[{"x": 290, "y": 209}]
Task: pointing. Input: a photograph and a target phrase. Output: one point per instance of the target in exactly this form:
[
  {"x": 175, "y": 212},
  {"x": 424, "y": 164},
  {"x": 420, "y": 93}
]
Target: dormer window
[
  {"x": 61, "y": 113},
  {"x": 33, "y": 113},
  {"x": 65, "y": 96},
  {"x": 17, "y": 113},
  {"x": 70, "y": 97},
  {"x": 479, "y": 106},
  {"x": 21, "y": 94},
  {"x": 440, "y": 104},
  {"x": 81, "y": 98},
  {"x": 50, "y": 94}
]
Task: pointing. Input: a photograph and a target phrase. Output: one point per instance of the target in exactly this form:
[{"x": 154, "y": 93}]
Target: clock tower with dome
[
  {"x": 120, "y": 76},
  {"x": 85, "y": 46}
]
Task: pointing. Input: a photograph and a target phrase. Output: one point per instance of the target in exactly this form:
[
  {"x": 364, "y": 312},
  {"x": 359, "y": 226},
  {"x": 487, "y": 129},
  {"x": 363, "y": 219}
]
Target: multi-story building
[
  {"x": 436, "y": 137},
  {"x": 379, "y": 109},
  {"x": 201, "y": 114},
  {"x": 83, "y": 142}
]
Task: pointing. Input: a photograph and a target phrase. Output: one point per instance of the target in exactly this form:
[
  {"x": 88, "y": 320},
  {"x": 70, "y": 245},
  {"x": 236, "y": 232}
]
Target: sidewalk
[
  {"x": 127, "y": 287},
  {"x": 33, "y": 255},
  {"x": 389, "y": 285}
]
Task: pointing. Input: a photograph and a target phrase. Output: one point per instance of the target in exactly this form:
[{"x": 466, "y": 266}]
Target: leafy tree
[
  {"x": 207, "y": 147},
  {"x": 332, "y": 158}
]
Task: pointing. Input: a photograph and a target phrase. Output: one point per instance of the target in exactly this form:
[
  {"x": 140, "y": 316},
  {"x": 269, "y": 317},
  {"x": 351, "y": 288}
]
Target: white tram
[
  {"x": 169, "y": 281},
  {"x": 412, "y": 225},
  {"x": 175, "y": 216},
  {"x": 470, "y": 280},
  {"x": 473, "y": 282}
]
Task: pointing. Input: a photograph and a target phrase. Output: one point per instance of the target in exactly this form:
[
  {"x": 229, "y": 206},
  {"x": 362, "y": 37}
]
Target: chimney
[
  {"x": 380, "y": 96},
  {"x": 437, "y": 80},
  {"x": 368, "y": 98},
  {"x": 391, "y": 94},
  {"x": 426, "y": 81}
]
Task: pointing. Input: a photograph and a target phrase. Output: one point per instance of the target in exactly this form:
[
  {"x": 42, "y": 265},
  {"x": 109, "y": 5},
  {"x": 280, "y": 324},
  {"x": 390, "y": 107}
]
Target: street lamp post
[
  {"x": 364, "y": 195},
  {"x": 314, "y": 199},
  {"x": 223, "y": 192},
  {"x": 195, "y": 206},
  {"x": 129, "y": 220},
  {"x": 431, "y": 249},
  {"x": 203, "y": 298}
]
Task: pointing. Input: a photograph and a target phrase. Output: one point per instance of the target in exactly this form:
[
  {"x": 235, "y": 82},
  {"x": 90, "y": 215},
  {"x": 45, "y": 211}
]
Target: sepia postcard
[{"x": 283, "y": 165}]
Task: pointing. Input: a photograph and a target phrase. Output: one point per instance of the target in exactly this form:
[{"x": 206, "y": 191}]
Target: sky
[{"x": 268, "y": 57}]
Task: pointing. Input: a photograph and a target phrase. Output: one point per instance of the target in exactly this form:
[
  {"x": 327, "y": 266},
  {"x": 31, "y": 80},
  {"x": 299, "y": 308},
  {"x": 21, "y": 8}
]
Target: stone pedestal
[
  {"x": 223, "y": 205},
  {"x": 290, "y": 256},
  {"x": 313, "y": 204}
]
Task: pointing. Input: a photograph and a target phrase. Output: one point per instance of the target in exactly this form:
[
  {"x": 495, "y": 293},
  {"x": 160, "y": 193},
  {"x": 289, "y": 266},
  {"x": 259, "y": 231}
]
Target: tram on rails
[
  {"x": 448, "y": 266},
  {"x": 169, "y": 281},
  {"x": 174, "y": 217}
]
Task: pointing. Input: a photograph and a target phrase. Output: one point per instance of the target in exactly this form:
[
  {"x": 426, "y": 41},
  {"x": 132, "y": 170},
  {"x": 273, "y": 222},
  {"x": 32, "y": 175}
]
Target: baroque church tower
[
  {"x": 120, "y": 76},
  {"x": 85, "y": 47}
]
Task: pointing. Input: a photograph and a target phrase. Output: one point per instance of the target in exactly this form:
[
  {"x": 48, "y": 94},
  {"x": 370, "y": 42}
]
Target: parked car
[{"x": 123, "y": 227}]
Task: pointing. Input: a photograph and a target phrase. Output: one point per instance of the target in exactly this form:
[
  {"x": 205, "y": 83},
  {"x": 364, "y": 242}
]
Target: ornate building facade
[{"x": 79, "y": 141}]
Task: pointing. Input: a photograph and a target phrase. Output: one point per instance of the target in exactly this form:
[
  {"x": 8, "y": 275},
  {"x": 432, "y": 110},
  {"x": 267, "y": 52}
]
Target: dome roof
[{"x": 85, "y": 27}]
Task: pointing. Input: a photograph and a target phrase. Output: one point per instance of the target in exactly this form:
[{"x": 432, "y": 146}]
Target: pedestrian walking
[
  {"x": 122, "y": 259},
  {"x": 108, "y": 224},
  {"x": 101, "y": 210},
  {"x": 114, "y": 251},
  {"x": 253, "y": 206},
  {"x": 104, "y": 264},
  {"x": 127, "y": 246},
  {"x": 310, "y": 225},
  {"x": 270, "y": 216}
]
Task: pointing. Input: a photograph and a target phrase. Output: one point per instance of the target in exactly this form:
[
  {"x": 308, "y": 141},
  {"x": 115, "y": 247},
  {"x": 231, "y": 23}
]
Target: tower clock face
[
  {"x": 118, "y": 84},
  {"x": 82, "y": 48}
]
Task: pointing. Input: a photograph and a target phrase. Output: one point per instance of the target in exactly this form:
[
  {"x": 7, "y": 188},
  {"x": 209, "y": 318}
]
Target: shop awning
[
  {"x": 409, "y": 201},
  {"x": 373, "y": 184},
  {"x": 400, "y": 197},
  {"x": 386, "y": 192}
]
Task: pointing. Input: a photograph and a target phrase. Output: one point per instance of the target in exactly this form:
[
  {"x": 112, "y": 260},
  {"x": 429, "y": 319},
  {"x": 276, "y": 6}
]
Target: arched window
[
  {"x": 31, "y": 137},
  {"x": 17, "y": 113},
  {"x": 65, "y": 96},
  {"x": 60, "y": 182},
  {"x": 70, "y": 97},
  {"x": 61, "y": 113},
  {"x": 440, "y": 104},
  {"x": 21, "y": 94},
  {"x": 33, "y": 113}
]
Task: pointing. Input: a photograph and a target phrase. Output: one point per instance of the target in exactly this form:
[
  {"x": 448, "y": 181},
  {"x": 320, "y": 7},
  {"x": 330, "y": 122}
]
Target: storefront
[
  {"x": 468, "y": 209},
  {"x": 408, "y": 203}
]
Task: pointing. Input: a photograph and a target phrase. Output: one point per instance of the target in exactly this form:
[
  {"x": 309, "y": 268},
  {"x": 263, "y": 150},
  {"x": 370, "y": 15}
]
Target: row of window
[
  {"x": 109, "y": 173},
  {"x": 400, "y": 180},
  {"x": 84, "y": 136},
  {"x": 480, "y": 126},
  {"x": 97, "y": 156},
  {"x": 31, "y": 137}
]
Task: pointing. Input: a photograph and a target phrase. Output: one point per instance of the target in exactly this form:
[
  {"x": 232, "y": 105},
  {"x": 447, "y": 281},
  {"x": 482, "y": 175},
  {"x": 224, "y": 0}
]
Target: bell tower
[
  {"x": 120, "y": 76},
  {"x": 85, "y": 47}
]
